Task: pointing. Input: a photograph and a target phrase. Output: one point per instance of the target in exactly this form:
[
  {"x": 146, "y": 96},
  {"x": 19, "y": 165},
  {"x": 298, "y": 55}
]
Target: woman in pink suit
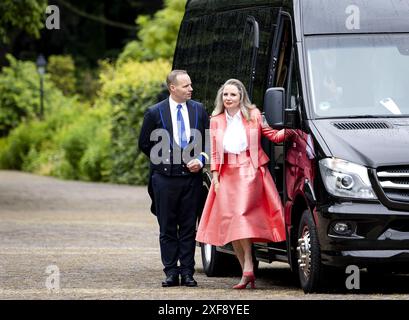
[{"x": 243, "y": 205}]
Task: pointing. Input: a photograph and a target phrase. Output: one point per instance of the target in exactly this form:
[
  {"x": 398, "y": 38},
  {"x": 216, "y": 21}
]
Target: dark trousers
[{"x": 177, "y": 201}]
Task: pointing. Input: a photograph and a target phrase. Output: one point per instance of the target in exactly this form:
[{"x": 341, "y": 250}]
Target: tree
[
  {"x": 157, "y": 35},
  {"x": 27, "y": 15}
]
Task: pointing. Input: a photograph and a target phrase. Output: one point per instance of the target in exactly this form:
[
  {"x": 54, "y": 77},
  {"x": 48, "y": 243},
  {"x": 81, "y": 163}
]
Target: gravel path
[{"x": 75, "y": 240}]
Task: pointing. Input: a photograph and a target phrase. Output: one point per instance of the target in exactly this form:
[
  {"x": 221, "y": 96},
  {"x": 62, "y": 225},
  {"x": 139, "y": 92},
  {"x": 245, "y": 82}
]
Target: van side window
[
  {"x": 216, "y": 47},
  {"x": 230, "y": 52},
  {"x": 283, "y": 59},
  {"x": 193, "y": 53},
  {"x": 244, "y": 67}
]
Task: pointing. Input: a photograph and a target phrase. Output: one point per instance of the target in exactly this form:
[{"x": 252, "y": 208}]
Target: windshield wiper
[
  {"x": 364, "y": 116},
  {"x": 354, "y": 117}
]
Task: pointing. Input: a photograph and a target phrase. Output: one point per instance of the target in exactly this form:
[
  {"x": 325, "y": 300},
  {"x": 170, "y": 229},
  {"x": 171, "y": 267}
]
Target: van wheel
[
  {"x": 310, "y": 268},
  {"x": 217, "y": 263}
]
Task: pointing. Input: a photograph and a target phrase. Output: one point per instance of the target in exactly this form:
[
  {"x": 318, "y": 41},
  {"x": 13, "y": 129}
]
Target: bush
[
  {"x": 20, "y": 94},
  {"x": 71, "y": 143},
  {"x": 88, "y": 83},
  {"x": 96, "y": 163},
  {"x": 86, "y": 146},
  {"x": 62, "y": 73},
  {"x": 15, "y": 149},
  {"x": 19, "y": 99}
]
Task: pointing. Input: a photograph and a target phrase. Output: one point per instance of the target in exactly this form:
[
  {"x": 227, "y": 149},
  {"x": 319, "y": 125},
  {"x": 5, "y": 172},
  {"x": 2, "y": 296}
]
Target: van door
[{"x": 278, "y": 76}]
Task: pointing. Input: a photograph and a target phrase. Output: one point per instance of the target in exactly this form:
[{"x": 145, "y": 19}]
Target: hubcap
[
  {"x": 304, "y": 252},
  {"x": 207, "y": 253}
]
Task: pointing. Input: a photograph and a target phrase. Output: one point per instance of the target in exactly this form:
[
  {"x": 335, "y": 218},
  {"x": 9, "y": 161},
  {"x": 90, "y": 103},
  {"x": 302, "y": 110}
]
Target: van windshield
[{"x": 359, "y": 76}]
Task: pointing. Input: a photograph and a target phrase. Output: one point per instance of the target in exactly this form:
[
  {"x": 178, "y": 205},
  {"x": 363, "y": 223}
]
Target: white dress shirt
[
  {"x": 173, "y": 112},
  {"x": 174, "y": 115},
  {"x": 235, "y": 139}
]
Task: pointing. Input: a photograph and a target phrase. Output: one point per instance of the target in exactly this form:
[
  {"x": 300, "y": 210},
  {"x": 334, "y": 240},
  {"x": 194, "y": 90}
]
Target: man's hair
[{"x": 171, "y": 78}]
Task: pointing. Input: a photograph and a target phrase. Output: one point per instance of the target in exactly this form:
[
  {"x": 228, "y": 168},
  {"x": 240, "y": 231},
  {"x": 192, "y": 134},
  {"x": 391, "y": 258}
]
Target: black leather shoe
[
  {"x": 171, "y": 281},
  {"x": 188, "y": 281}
]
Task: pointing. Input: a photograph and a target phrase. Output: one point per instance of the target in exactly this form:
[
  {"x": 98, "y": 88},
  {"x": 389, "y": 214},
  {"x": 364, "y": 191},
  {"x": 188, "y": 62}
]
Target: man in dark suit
[{"x": 173, "y": 137}]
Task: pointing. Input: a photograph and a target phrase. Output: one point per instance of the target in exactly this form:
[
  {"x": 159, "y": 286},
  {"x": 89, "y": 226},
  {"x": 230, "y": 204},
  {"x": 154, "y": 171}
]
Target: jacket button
[{"x": 166, "y": 169}]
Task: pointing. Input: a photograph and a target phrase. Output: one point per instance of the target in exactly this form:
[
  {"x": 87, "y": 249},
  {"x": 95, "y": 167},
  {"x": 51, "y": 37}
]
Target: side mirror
[{"x": 274, "y": 107}]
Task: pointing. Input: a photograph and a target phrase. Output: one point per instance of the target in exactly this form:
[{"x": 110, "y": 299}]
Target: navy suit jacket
[{"x": 158, "y": 116}]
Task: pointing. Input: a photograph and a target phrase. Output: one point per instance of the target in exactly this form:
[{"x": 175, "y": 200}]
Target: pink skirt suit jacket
[{"x": 247, "y": 204}]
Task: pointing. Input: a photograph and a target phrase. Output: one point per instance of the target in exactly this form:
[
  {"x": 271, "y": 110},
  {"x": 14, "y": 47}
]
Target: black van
[{"x": 336, "y": 72}]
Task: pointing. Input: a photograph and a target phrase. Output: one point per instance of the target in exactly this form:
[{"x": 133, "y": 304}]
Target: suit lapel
[{"x": 167, "y": 119}]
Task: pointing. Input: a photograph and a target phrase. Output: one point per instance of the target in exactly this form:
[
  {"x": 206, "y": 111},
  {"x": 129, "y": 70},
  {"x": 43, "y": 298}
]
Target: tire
[
  {"x": 217, "y": 263},
  {"x": 311, "y": 271}
]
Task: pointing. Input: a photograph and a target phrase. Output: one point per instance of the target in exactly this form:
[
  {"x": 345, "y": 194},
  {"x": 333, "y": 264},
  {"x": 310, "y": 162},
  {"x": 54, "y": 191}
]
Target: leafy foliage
[
  {"x": 95, "y": 140},
  {"x": 130, "y": 89},
  {"x": 157, "y": 35},
  {"x": 72, "y": 143},
  {"x": 96, "y": 143},
  {"x": 62, "y": 73},
  {"x": 20, "y": 94},
  {"x": 22, "y": 14},
  {"x": 87, "y": 83}
]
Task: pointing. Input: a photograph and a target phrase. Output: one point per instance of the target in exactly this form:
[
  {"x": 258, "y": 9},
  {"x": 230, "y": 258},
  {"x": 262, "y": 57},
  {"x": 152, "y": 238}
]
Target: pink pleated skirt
[{"x": 246, "y": 205}]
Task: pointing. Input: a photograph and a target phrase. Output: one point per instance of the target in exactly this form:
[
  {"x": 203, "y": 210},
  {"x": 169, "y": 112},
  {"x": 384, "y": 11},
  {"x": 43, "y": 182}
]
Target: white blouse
[{"x": 235, "y": 139}]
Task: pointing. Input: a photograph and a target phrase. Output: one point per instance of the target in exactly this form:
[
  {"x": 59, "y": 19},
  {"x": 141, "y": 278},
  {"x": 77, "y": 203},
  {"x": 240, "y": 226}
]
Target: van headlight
[{"x": 346, "y": 179}]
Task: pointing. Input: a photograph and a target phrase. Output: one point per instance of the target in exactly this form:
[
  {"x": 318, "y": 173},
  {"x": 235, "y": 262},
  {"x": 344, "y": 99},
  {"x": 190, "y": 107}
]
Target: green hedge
[{"x": 71, "y": 143}]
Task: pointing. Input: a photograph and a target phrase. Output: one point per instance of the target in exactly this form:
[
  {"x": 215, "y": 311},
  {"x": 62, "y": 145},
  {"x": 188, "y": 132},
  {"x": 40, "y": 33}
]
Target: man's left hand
[{"x": 194, "y": 165}]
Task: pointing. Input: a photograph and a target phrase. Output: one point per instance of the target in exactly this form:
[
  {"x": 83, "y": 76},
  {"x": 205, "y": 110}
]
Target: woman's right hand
[
  {"x": 215, "y": 181},
  {"x": 216, "y": 184}
]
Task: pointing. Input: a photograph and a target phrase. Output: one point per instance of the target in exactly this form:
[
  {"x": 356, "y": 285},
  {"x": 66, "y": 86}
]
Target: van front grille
[
  {"x": 395, "y": 182},
  {"x": 361, "y": 125}
]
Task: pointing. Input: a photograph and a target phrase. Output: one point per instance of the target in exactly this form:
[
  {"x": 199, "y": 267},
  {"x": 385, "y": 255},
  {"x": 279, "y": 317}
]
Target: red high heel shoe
[{"x": 250, "y": 278}]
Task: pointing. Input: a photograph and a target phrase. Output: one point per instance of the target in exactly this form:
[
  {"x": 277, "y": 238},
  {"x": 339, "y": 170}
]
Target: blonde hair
[{"x": 245, "y": 104}]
